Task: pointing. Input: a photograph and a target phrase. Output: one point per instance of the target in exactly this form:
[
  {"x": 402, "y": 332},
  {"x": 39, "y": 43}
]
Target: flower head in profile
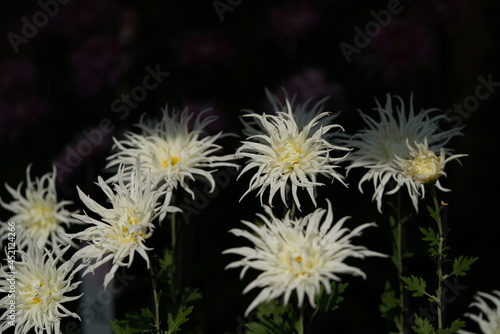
[
  {"x": 287, "y": 154},
  {"x": 42, "y": 286},
  {"x": 171, "y": 151},
  {"x": 423, "y": 167},
  {"x": 37, "y": 209},
  {"x": 123, "y": 228},
  {"x": 383, "y": 144},
  {"x": 489, "y": 317},
  {"x": 297, "y": 255}
]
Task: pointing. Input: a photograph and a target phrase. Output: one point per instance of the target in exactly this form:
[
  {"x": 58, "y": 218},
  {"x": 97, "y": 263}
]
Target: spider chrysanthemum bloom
[
  {"x": 298, "y": 255},
  {"x": 303, "y": 114},
  {"x": 489, "y": 318},
  {"x": 287, "y": 155},
  {"x": 37, "y": 209},
  {"x": 123, "y": 228},
  {"x": 423, "y": 167},
  {"x": 377, "y": 147},
  {"x": 173, "y": 149},
  {"x": 37, "y": 286}
]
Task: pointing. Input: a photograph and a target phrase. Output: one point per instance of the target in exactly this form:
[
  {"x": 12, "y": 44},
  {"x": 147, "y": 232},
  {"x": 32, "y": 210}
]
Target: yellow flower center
[
  {"x": 289, "y": 153},
  {"x": 125, "y": 236},
  {"x": 34, "y": 294},
  {"x": 299, "y": 262},
  {"x": 170, "y": 162},
  {"x": 42, "y": 217},
  {"x": 425, "y": 168}
]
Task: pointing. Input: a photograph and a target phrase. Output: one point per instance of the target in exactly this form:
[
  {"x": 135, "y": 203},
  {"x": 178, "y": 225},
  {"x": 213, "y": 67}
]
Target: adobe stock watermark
[
  {"x": 90, "y": 139},
  {"x": 91, "y": 307},
  {"x": 222, "y": 6},
  {"x": 202, "y": 197},
  {"x": 461, "y": 111},
  {"x": 362, "y": 38},
  {"x": 242, "y": 322},
  {"x": 451, "y": 291},
  {"x": 31, "y": 27}
]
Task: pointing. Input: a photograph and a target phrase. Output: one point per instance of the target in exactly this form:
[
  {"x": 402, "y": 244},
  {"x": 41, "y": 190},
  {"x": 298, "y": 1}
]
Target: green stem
[
  {"x": 156, "y": 299},
  {"x": 292, "y": 210},
  {"x": 301, "y": 320},
  {"x": 399, "y": 247},
  {"x": 439, "y": 292},
  {"x": 173, "y": 230},
  {"x": 174, "y": 281}
]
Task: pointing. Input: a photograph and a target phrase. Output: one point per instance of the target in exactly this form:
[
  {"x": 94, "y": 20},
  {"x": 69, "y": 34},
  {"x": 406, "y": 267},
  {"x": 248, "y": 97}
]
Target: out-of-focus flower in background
[
  {"x": 402, "y": 49},
  {"x": 21, "y": 106},
  {"x": 311, "y": 82},
  {"x": 204, "y": 49},
  {"x": 294, "y": 19},
  {"x": 97, "y": 65}
]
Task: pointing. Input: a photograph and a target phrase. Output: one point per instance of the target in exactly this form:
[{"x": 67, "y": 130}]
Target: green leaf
[
  {"x": 390, "y": 308},
  {"x": 462, "y": 264},
  {"x": 423, "y": 326},
  {"x": 415, "y": 284},
  {"x": 122, "y": 327},
  {"x": 181, "y": 317},
  {"x": 189, "y": 295},
  {"x": 273, "y": 318},
  {"x": 271, "y": 308},
  {"x": 431, "y": 236},
  {"x": 330, "y": 302},
  {"x": 454, "y": 327},
  {"x": 431, "y": 212}
]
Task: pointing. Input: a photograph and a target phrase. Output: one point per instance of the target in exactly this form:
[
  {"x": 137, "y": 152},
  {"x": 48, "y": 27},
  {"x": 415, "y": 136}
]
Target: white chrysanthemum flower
[
  {"x": 377, "y": 147},
  {"x": 171, "y": 151},
  {"x": 39, "y": 212},
  {"x": 122, "y": 229},
  {"x": 489, "y": 318},
  {"x": 37, "y": 286},
  {"x": 288, "y": 155},
  {"x": 424, "y": 167},
  {"x": 303, "y": 114},
  {"x": 297, "y": 255}
]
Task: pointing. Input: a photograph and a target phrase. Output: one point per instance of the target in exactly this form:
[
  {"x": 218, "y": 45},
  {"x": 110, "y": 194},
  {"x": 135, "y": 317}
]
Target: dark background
[{"x": 64, "y": 79}]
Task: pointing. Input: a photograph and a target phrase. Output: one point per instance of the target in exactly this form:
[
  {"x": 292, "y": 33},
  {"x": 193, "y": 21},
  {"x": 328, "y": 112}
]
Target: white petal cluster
[
  {"x": 377, "y": 147},
  {"x": 287, "y": 155},
  {"x": 489, "y": 317},
  {"x": 423, "y": 167},
  {"x": 297, "y": 255},
  {"x": 42, "y": 285},
  {"x": 303, "y": 114},
  {"x": 37, "y": 209},
  {"x": 123, "y": 228},
  {"x": 174, "y": 149}
]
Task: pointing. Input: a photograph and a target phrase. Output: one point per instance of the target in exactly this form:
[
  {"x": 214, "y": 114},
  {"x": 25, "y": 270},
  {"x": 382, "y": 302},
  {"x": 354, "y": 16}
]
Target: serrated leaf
[
  {"x": 120, "y": 327},
  {"x": 415, "y": 284},
  {"x": 189, "y": 295},
  {"x": 271, "y": 308},
  {"x": 273, "y": 318},
  {"x": 174, "y": 324},
  {"x": 454, "y": 327},
  {"x": 462, "y": 264},
  {"x": 267, "y": 326},
  {"x": 390, "y": 308},
  {"x": 431, "y": 236},
  {"x": 432, "y": 212},
  {"x": 330, "y": 302},
  {"x": 423, "y": 326}
]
